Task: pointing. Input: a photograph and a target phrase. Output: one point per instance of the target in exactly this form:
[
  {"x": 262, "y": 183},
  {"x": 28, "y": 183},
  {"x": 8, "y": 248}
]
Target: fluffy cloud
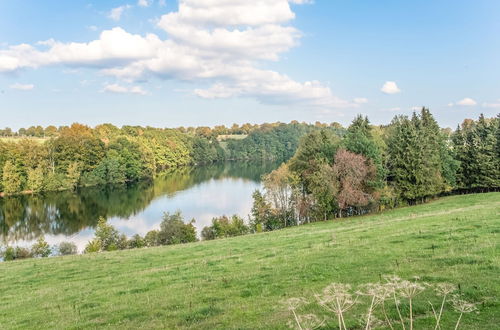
[
  {"x": 22, "y": 87},
  {"x": 115, "y": 88},
  {"x": 116, "y": 13},
  {"x": 143, "y": 3},
  {"x": 467, "y": 102},
  {"x": 222, "y": 43},
  {"x": 390, "y": 87}
]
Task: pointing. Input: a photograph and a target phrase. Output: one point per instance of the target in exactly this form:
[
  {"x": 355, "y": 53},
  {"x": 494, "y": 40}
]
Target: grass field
[{"x": 240, "y": 283}]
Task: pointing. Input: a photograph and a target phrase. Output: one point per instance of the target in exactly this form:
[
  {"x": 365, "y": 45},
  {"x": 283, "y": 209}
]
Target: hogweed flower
[
  {"x": 461, "y": 306},
  {"x": 337, "y": 298}
]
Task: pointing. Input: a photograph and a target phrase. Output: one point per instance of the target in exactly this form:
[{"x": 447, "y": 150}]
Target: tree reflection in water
[{"x": 24, "y": 218}]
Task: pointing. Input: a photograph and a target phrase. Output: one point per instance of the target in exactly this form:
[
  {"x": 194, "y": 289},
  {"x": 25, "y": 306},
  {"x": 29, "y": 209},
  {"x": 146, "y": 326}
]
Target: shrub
[
  {"x": 136, "y": 242},
  {"x": 151, "y": 238},
  {"x": 173, "y": 230},
  {"x": 41, "y": 249},
  {"x": 93, "y": 246},
  {"x": 225, "y": 227},
  {"x": 67, "y": 248}
]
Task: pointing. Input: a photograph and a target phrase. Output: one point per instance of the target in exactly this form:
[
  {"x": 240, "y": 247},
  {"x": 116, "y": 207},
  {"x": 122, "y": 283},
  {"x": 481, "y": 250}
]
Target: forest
[
  {"x": 41, "y": 159},
  {"x": 330, "y": 170},
  {"x": 372, "y": 168}
]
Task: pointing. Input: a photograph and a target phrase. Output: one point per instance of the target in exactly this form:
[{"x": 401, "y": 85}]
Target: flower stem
[
  {"x": 458, "y": 322},
  {"x": 440, "y": 313},
  {"x": 399, "y": 312}
]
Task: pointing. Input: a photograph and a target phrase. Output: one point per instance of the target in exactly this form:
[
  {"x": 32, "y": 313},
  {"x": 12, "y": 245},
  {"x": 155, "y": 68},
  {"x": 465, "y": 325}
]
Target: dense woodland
[
  {"x": 70, "y": 157},
  {"x": 377, "y": 167}
]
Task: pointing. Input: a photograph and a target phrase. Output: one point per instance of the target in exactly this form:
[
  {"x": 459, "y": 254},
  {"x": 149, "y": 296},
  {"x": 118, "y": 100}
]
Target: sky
[{"x": 167, "y": 63}]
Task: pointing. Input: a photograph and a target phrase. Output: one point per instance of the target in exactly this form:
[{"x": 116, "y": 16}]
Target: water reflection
[{"x": 200, "y": 193}]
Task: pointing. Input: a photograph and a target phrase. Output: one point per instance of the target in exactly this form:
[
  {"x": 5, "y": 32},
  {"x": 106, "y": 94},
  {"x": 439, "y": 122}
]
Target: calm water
[{"x": 200, "y": 193}]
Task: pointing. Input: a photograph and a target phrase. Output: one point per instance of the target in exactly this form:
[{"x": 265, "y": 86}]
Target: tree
[
  {"x": 107, "y": 236},
  {"x": 11, "y": 178},
  {"x": 359, "y": 140},
  {"x": 173, "y": 230},
  {"x": 41, "y": 248},
  {"x": 36, "y": 180},
  {"x": 73, "y": 175},
  {"x": 262, "y": 218},
  {"x": 279, "y": 192},
  {"x": 353, "y": 175}
]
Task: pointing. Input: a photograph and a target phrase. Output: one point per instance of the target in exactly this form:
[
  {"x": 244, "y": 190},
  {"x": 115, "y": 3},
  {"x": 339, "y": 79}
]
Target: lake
[{"x": 200, "y": 192}]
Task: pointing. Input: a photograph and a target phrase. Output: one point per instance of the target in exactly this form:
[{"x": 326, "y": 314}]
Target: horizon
[{"x": 179, "y": 63}]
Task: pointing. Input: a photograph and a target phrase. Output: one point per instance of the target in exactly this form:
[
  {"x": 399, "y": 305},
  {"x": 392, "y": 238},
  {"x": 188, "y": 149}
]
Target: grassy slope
[{"x": 239, "y": 282}]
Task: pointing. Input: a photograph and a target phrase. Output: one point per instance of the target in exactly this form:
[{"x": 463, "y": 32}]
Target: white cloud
[
  {"x": 144, "y": 3},
  {"x": 390, "y": 87},
  {"x": 394, "y": 109},
  {"x": 22, "y": 87},
  {"x": 492, "y": 105},
  {"x": 360, "y": 100},
  {"x": 115, "y": 88},
  {"x": 468, "y": 102},
  {"x": 162, "y": 3},
  {"x": 222, "y": 43},
  {"x": 92, "y": 27},
  {"x": 116, "y": 13}
]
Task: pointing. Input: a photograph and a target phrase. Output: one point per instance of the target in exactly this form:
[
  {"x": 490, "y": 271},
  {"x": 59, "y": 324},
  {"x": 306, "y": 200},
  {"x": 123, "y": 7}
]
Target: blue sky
[{"x": 169, "y": 64}]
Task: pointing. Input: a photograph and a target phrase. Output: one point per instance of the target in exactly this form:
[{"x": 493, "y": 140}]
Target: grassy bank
[{"x": 241, "y": 282}]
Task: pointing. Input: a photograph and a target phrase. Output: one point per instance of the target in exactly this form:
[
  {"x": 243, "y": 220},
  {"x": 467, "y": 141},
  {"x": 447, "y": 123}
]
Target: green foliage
[
  {"x": 417, "y": 157},
  {"x": 476, "y": 148},
  {"x": 136, "y": 242},
  {"x": 173, "y": 230},
  {"x": 67, "y": 248},
  {"x": 93, "y": 246},
  {"x": 11, "y": 178},
  {"x": 41, "y": 248},
  {"x": 14, "y": 253},
  {"x": 36, "y": 180},
  {"x": 107, "y": 238},
  {"x": 225, "y": 227},
  {"x": 152, "y": 238}
]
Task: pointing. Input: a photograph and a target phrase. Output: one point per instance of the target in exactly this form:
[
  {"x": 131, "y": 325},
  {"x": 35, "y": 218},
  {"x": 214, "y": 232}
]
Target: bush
[
  {"x": 93, "y": 246},
  {"x": 9, "y": 254},
  {"x": 151, "y": 238},
  {"x": 41, "y": 249},
  {"x": 225, "y": 227},
  {"x": 173, "y": 230},
  {"x": 136, "y": 242},
  {"x": 67, "y": 248}
]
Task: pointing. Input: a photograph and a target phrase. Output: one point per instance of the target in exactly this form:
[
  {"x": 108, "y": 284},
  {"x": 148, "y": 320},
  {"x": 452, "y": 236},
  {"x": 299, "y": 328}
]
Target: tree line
[
  {"x": 372, "y": 168},
  {"x": 78, "y": 156}
]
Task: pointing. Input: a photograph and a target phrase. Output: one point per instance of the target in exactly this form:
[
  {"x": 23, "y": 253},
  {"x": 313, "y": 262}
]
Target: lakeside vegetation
[
  {"x": 80, "y": 156},
  {"x": 245, "y": 282}
]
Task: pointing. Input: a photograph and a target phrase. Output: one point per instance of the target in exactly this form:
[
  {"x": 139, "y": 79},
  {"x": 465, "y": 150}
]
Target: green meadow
[{"x": 241, "y": 282}]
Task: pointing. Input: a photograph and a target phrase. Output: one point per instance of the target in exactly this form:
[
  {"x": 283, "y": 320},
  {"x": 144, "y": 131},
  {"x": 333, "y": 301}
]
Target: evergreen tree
[{"x": 359, "y": 140}]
